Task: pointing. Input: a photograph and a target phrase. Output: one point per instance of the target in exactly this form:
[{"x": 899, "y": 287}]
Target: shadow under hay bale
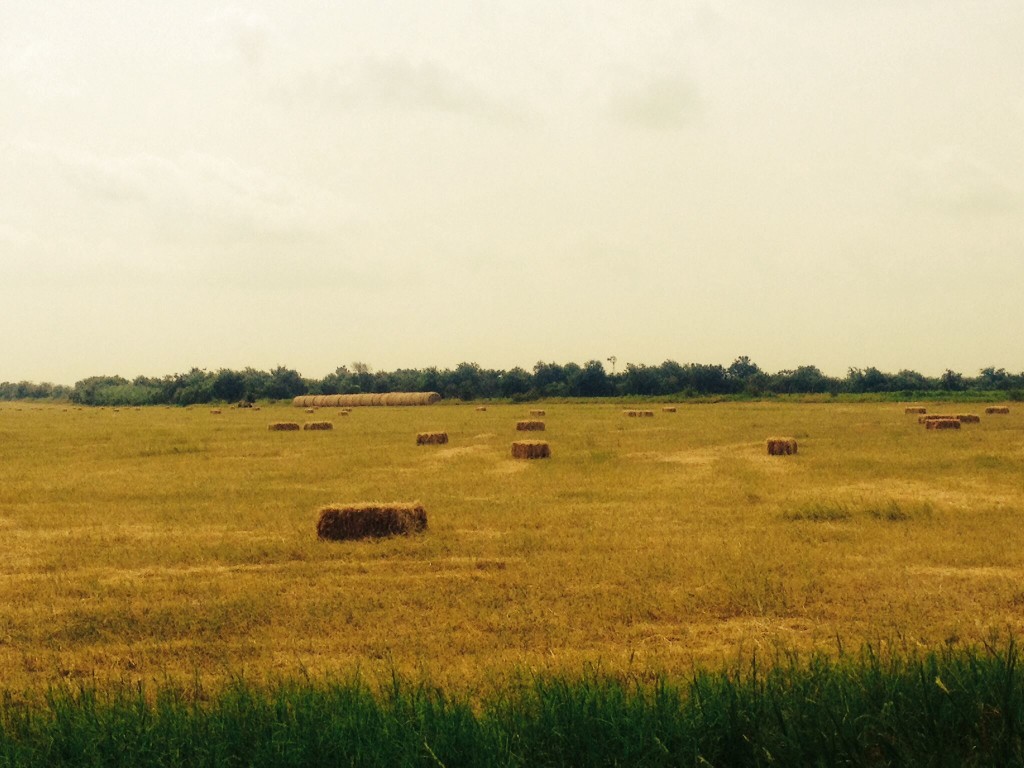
[
  {"x": 942, "y": 424},
  {"x": 531, "y": 449},
  {"x": 431, "y": 438},
  {"x": 339, "y": 522},
  {"x": 781, "y": 446},
  {"x": 915, "y": 409},
  {"x": 322, "y": 425},
  {"x": 283, "y": 426},
  {"x": 997, "y": 409}
]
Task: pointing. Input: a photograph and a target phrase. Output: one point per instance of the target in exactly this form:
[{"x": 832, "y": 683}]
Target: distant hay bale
[
  {"x": 968, "y": 418},
  {"x": 311, "y": 410},
  {"x": 915, "y": 409},
  {"x": 942, "y": 424},
  {"x": 366, "y": 399},
  {"x": 339, "y": 522},
  {"x": 936, "y": 417},
  {"x": 481, "y": 407},
  {"x": 256, "y": 408},
  {"x": 321, "y": 425},
  {"x": 431, "y": 438},
  {"x": 530, "y": 426},
  {"x": 632, "y": 413},
  {"x": 215, "y": 411},
  {"x": 538, "y": 413},
  {"x": 781, "y": 446},
  {"x": 997, "y": 409},
  {"x": 531, "y": 449},
  {"x": 283, "y": 426},
  {"x": 669, "y": 409}
]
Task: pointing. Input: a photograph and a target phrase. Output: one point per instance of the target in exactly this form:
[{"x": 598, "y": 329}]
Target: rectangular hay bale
[{"x": 340, "y": 522}]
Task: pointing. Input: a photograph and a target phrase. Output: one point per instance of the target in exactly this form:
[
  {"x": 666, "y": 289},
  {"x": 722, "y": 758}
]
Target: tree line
[{"x": 469, "y": 381}]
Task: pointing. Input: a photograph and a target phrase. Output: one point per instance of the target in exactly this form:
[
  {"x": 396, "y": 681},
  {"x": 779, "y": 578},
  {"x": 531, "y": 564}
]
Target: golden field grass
[{"x": 165, "y": 543}]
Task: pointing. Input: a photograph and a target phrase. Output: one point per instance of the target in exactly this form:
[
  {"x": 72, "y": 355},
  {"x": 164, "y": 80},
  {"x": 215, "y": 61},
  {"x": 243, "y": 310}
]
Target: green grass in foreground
[{"x": 956, "y": 708}]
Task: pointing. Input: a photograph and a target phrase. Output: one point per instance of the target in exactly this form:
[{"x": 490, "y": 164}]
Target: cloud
[
  {"x": 397, "y": 83},
  {"x": 952, "y": 181},
  {"x": 245, "y": 34},
  {"x": 664, "y": 103}
]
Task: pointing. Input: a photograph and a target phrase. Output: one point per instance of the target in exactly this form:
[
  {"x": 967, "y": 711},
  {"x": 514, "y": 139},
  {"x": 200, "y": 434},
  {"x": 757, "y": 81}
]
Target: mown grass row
[{"x": 959, "y": 708}]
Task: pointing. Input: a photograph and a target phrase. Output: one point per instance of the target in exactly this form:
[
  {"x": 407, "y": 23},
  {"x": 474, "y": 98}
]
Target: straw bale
[
  {"x": 633, "y": 413},
  {"x": 531, "y": 449},
  {"x": 669, "y": 409},
  {"x": 283, "y": 426},
  {"x": 530, "y": 426},
  {"x": 215, "y": 411},
  {"x": 338, "y": 522},
  {"x": 781, "y": 446},
  {"x": 322, "y": 425},
  {"x": 538, "y": 413},
  {"x": 481, "y": 407},
  {"x": 915, "y": 409},
  {"x": 311, "y": 410},
  {"x": 366, "y": 399},
  {"x": 943, "y": 424},
  {"x": 997, "y": 409},
  {"x": 935, "y": 417},
  {"x": 968, "y": 418},
  {"x": 431, "y": 438}
]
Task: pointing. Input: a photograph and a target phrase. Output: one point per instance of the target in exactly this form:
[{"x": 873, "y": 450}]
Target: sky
[{"x": 412, "y": 184}]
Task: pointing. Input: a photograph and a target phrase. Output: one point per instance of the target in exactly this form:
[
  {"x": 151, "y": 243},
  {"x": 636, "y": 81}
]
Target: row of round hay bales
[{"x": 377, "y": 398}]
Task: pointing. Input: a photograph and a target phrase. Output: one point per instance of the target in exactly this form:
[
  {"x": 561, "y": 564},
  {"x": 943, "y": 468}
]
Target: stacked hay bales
[
  {"x": 355, "y": 401},
  {"x": 531, "y": 449},
  {"x": 916, "y": 409},
  {"x": 997, "y": 410},
  {"x": 339, "y": 522},
  {"x": 283, "y": 426},
  {"x": 530, "y": 426},
  {"x": 947, "y": 423},
  {"x": 318, "y": 425},
  {"x": 781, "y": 446},
  {"x": 638, "y": 414},
  {"x": 431, "y": 438}
]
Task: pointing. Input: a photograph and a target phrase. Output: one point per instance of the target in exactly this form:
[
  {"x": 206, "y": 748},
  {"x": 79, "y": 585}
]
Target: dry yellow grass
[{"x": 165, "y": 543}]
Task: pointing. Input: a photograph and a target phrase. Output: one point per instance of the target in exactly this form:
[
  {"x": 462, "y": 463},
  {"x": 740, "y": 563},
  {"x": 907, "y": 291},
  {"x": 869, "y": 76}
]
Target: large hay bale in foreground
[
  {"x": 781, "y": 446},
  {"x": 942, "y": 424},
  {"x": 431, "y": 438},
  {"x": 531, "y": 449},
  {"x": 530, "y": 426},
  {"x": 338, "y": 522},
  {"x": 915, "y": 409},
  {"x": 283, "y": 426},
  {"x": 997, "y": 409},
  {"x": 318, "y": 425}
]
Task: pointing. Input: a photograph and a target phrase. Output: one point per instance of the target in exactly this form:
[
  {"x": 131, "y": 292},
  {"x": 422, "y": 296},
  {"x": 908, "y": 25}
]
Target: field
[{"x": 161, "y": 544}]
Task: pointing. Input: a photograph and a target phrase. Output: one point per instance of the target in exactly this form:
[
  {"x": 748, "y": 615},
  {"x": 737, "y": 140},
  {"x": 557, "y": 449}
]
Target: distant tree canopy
[{"x": 469, "y": 381}]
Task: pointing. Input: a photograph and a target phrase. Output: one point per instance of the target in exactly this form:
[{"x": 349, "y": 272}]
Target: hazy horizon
[{"x": 228, "y": 185}]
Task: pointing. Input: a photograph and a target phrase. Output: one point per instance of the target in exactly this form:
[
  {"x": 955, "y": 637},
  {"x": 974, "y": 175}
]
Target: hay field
[{"x": 164, "y": 543}]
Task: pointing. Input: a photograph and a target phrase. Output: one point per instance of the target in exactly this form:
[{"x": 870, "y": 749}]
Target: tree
[{"x": 228, "y": 386}]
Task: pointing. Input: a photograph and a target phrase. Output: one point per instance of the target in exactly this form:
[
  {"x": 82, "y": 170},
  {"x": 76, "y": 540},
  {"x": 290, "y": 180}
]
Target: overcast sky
[{"x": 410, "y": 183}]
